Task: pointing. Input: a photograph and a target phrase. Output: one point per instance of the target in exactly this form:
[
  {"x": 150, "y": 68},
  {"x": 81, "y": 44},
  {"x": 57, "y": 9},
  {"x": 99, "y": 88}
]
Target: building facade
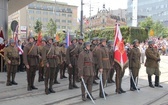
[
  {"x": 157, "y": 9},
  {"x": 104, "y": 18},
  {"x": 63, "y": 14}
]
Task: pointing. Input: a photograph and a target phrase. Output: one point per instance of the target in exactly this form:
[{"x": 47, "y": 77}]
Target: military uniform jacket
[
  {"x": 103, "y": 58},
  {"x": 49, "y": 55},
  {"x": 12, "y": 54},
  {"x": 30, "y": 57},
  {"x": 80, "y": 46},
  {"x": 58, "y": 55},
  {"x": 85, "y": 64},
  {"x": 134, "y": 58},
  {"x": 151, "y": 58},
  {"x": 72, "y": 54},
  {"x": 94, "y": 49},
  {"x": 111, "y": 55},
  {"x": 63, "y": 53}
]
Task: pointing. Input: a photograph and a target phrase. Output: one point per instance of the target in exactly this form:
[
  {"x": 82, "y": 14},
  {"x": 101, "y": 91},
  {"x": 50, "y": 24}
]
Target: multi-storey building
[
  {"x": 63, "y": 14},
  {"x": 104, "y": 18},
  {"x": 157, "y": 9}
]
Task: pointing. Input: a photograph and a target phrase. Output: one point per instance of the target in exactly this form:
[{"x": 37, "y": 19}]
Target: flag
[
  {"x": 68, "y": 39},
  {"x": 16, "y": 39},
  {"x": 57, "y": 37},
  {"x": 120, "y": 54},
  {"x": 2, "y": 44},
  {"x": 39, "y": 39}
]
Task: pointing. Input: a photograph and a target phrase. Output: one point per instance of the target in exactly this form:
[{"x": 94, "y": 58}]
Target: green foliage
[
  {"x": 51, "y": 28},
  {"x": 129, "y": 33},
  {"x": 38, "y": 26},
  {"x": 156, "y": 26}
]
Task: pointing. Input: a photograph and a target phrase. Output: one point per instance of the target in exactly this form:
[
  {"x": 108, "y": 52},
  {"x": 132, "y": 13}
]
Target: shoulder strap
[
  {"x": 31, "y": 49},
  {"x": 73, "y": 49},
  {"x": 49, "y": 51}
]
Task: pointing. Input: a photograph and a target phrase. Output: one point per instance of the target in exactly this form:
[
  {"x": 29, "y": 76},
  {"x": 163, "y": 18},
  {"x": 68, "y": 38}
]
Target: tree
[
  {"x": 38, "y": 26},
  {"x": 51, "y": 28},
  {"x": 156, "y": 26}
]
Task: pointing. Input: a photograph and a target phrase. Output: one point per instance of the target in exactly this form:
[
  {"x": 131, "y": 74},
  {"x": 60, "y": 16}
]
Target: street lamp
[{"x": 81, "y": 22}]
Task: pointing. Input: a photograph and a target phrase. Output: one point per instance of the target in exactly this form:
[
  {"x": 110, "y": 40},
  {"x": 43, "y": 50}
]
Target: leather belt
[{"x": 104, "y": 59}]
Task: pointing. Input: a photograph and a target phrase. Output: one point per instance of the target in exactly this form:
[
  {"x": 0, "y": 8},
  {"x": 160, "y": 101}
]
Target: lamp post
[{"x": 81, "y": 22}]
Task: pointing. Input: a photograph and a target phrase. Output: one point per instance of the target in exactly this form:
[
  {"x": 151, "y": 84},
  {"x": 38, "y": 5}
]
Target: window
[
  {"x": 57, "y": 14},
  {"x": 45, "y": 19},
  {"x": 69, "y": 15},
  {"x": 63, "y": 27},
  {"x": 38, "y": 12},
  {"x": 51, "y": 13},
  {"x": 32, "y": 18},
  {"x": 69, "y": 21},
  {"x": 57, "y": 20},
  {"x": 45, "y": 13},
  {"x": 31, "y": 11},
  {"x": 63, "y": 21},
  {"x": 64, "y": 15}
]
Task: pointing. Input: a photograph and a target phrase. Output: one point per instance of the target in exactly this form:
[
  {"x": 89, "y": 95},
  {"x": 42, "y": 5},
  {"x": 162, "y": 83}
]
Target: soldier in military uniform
[
  {"x": 41, "y": 64},
  {"x": 111, "y": 57},
  {"x": 58, "y": 60},
  {"x": 30, "y": 59},
  {"x": 104, "y": 63},
  {"x": 49, "y": 58},
  {"x": 63, "y": 64},
  {"x": 12, "y": 61},
  {"x": 134, "y": 64},
  {"x": 94, "y": 48},
  {"x": 85, "y": 67},
  {"x": 152, "y": 64},
  {"x": 71, "y": 59}
]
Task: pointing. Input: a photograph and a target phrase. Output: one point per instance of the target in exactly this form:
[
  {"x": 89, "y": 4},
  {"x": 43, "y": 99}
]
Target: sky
[{"x": 95, "y": 4}]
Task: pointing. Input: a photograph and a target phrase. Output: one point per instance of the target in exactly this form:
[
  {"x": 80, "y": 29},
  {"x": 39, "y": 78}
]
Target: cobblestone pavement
[{"x": 18, "y": 95}]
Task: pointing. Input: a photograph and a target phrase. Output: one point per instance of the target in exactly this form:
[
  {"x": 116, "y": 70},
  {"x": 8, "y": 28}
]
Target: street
[{"x": 18, "y": 94}]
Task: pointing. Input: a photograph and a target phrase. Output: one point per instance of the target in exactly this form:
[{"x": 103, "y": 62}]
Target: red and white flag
[
  {"x": 2, "y": 44},
  {"x": 120, "y": 54}
]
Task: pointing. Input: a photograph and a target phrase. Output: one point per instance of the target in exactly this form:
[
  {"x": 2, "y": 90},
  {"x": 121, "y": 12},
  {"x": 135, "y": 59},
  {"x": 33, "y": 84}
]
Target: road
[{"x": 18, "y": 95}]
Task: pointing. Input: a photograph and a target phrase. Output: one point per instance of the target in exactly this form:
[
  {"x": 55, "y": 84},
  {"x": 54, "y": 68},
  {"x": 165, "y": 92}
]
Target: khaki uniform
[
  {"x": 71, "y": 58},
  {"x": 41, "y": 65},
  {"x": 11, "y": 53},
  {"x": 58, "y": 62},
  {"x": 152, "y": 65},
  {"x": 30, "y": 57},
  {"x": 85, "y": 67},
  {"x": 111, "y": 71},
  {"x": 134, "y": 64},
  {"x": 119, "y": 75},
  {"x": 104, "y": 63},
  {"x": 49, "y": 57},
  {"x": 63, "y": 64}
]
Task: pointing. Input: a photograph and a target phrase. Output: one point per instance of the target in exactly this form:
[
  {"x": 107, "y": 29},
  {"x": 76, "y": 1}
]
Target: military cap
[
  {"x": 97, "y": 38},
  {"x": 135, "y": 41},
  {"x": 11, "y": 41},
  {"x": 80, "y": 38},
  {"x": 151, "y": 42},
  {"x": 31, "y": 36},
  {"x": 74, "y": 38},
  {"x": 110, "y": 42},
  {"x": 49, "y": 38},
  {"x": 102, "y": 39},
  {"x": 44, "y": 39},
  {"x": 86, "y": 44}
]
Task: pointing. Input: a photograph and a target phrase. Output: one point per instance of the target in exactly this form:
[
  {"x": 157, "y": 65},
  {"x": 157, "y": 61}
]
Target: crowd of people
[{"x": 84, "y": 61}]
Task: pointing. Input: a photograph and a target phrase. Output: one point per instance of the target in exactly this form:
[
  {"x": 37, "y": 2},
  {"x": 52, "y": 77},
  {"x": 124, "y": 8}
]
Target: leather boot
[
  {"x": 13, "y": 79},
  {"x": 83, "y": 98},
  {"x": 51, "y": 90},
  {"x": 150, "y": 81},
  {"x": 47, "y": 91},
  {"x": 157, "y": 82},
  {"x": 90, "y": 98}
]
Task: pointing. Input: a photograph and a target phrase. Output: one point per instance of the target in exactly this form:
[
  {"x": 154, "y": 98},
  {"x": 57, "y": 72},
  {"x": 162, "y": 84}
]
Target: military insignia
[{"x": 120, "y": 46}]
